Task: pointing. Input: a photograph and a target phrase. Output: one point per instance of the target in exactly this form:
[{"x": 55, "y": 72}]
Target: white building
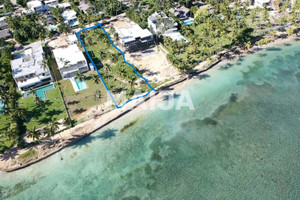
[
  {"x": 64, "y": 6},
  {"x": 159, "y": 22},
  {"x": 132, "y": 36},
  {"x": 70, "y": 60},
  {"x": 28, "y": 70},
  {"x": 70, "y": 17},
  {"x": 37, "y": 6},
  {"x": 52, "y": 3},
  {"x": 262, "y": 3}
]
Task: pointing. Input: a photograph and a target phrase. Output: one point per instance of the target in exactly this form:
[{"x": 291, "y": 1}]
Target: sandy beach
[{"x": 9, "y": 161}]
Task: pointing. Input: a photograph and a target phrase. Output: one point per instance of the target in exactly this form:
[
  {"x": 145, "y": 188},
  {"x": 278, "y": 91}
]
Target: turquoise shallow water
[{"x": 242, "y": 141}]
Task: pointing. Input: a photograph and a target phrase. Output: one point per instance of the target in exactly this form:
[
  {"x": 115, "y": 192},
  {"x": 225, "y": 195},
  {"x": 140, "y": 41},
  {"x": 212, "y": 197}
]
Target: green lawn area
[
  {"x": 40, "y": 115},
  {"x": 78, "y": 102},
  {"x": 37, "y": 115}
]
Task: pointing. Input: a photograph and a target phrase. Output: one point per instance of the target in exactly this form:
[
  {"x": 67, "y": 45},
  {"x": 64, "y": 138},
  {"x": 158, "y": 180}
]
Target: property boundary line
[{"x": 138, "y": 97}]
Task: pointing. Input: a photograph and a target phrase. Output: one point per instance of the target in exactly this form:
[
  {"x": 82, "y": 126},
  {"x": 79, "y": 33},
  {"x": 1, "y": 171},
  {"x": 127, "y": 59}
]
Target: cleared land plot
[
  {"x": 117, "y": 75},
  {"x": 154, "y": 64},
  {"x": 81, "y": 101}
]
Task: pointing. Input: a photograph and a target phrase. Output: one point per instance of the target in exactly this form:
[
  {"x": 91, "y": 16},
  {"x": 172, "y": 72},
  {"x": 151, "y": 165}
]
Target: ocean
[{"x": 240, "y": 139}]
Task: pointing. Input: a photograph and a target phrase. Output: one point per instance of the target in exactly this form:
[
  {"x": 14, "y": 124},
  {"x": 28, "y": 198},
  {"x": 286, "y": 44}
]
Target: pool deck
[{"x": 74, "y": 84}]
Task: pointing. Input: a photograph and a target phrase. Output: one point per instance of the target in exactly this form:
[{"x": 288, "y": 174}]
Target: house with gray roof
[
  {"x": 5, "y": 34},
  {"x": 181, "y": 12}
]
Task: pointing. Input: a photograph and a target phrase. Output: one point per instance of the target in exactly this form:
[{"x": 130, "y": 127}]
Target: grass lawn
[
  {"x": 78, "y": 102},
  {"x": 37, "y": 115},
  {"x": 40, "y": 115}
]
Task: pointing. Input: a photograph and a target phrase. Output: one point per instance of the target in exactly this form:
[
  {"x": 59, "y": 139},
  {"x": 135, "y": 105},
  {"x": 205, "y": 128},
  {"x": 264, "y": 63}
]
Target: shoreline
[{"x": 9, "y": 159}]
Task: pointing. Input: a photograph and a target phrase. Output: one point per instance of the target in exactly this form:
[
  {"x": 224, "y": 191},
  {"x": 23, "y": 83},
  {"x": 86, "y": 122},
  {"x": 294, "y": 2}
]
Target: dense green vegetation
[
  {"x": 20, "y": 114},
  {"x": 110, "y": 7},
  {"x": 116, "y": 74},
  {"x": 7, "y": 6},
  {"x": 218, "y": 28},
  {"x": 12, "y": 128},
  {"x": 28, "y": 28}
]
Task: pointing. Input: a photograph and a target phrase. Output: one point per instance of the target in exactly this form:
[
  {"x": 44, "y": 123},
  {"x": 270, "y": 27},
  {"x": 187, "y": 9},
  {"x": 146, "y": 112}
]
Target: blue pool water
[
  {"x": 80, "y": 84},
  {"x": 180, "y": 37},
  {"x": 188, "y": 22},
  {"x": 73, "y": 23},
  {"x": 53, "y": 28},
  {"x": 1, "y": 106},
  {"x": 40, "y": 92}
]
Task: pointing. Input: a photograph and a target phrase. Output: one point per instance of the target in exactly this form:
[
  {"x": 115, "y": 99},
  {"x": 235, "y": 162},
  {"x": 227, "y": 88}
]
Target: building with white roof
[
  {"x": 262, "y": 3},
  {"x": 28, "y": 70},
  {"x": 51, "y": 3},
  {"x": 160, "y": 23},
  {"x": 70, "y": 17},
  {"x": 64, "y": 6},
  {"x": 70, "y": 59},
  {"x": 132, "y": 36},
  {"x": 37, "y": 6}
]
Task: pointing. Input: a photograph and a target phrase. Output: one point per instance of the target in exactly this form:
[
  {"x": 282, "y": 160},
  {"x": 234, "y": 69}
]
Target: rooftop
[
  {"x": 32, "y": 4},
  {"x": 129, "y": 31},
  {"x": 64, "y": 5},
  {"x": 3, "y": 25},
  {"x": 4, "y": 33},
  {"x": 63, "y": 41},
  {"x": 68, "y": 14},
  {"x": 70, "y": 55},
  {"x": 28, "y": 62},
  {"x": 179, "y": 9},
  {"x": 155, "y": 15}
]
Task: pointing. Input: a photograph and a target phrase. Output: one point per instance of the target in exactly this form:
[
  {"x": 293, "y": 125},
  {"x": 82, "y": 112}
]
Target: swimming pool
[
  {"x": 180, "y": 37},
  {"x": 73, "y": 23},
  {"x": 188, "y": 22},
  {"x": 53, "y": 28},
  {"x": 40, "y": 92},
  {"x": 1, "y": 106},
  {"x": 80, "y": 84}
]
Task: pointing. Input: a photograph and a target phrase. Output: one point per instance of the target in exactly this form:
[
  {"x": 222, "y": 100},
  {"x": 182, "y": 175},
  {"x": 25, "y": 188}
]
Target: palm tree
[
  {"x": 52, "y": 127},
  {"x": 290, "y": 31},
  {"x": 37, "y": 100},
  {"x": 114, "y": 57},
  {"x": 66, "y": 62},
  {"x": 32, "y": 91},
  {"x": 34, "y": 133},
  {"x": 67, "y": 121},
  {"x": 79, "y": 76},
  {"x": 96, "y": 78},
  {"x": 12, "y": 132},
  {"x": 102, "y": 54},
  {"x": 97, "y": 95},
  {"x": 44, "y": 64},
  {"x": 19, "y": 113},
  {"x": 248, "y": 45}
]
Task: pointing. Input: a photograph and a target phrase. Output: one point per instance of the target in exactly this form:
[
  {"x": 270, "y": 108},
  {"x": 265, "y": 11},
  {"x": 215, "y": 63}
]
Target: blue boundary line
[{"x": 100, "y": 25}]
